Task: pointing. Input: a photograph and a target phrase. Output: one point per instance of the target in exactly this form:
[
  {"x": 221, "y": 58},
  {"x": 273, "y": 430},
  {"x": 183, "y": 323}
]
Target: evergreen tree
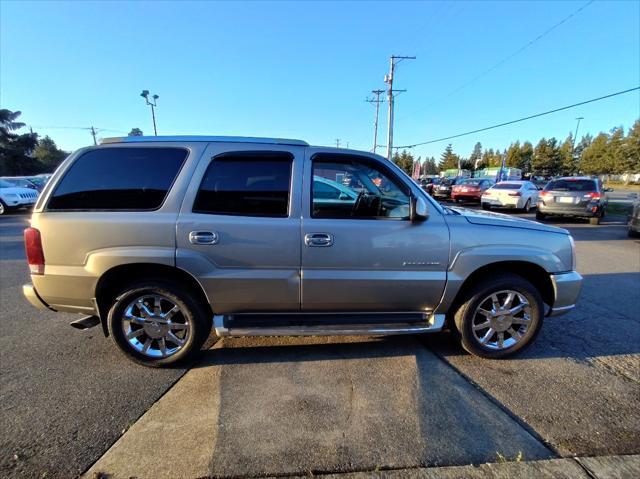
[
  {"x": 430, "y": 167},
  {"x": 526, "y": 157},
  {"x": 476, "y": 155},
  {"x": 514, "y": 155},
  {"x": 595, "y": 156},
  {"x": 448, "y": 159},
  {"x": 404, "y": 160},
  {"x": 568, "y": 164},
  {"x": 546, "y": 157},
  {"x": 135, "y": 132}
]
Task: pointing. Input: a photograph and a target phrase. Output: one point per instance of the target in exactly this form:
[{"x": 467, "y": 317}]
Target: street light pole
[
  {"x": 573, "y": 147},
  {"x": 152, "y": 104}
]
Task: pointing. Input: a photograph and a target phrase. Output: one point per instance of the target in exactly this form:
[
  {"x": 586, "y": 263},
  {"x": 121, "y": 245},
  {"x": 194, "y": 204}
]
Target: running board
[{"x": 245, "y": 325}]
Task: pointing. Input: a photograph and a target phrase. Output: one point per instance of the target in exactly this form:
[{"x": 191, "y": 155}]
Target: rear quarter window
[{"x": 118, "y": 179}]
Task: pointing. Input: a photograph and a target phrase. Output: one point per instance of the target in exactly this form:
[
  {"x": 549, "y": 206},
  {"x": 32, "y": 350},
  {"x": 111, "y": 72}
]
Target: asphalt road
[{"x": 66, "y": 396}]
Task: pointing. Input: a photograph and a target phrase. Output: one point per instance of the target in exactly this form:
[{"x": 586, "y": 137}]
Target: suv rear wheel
[
  {"x": 158, "y": 323},
  {"x": 499, "y": 317}
]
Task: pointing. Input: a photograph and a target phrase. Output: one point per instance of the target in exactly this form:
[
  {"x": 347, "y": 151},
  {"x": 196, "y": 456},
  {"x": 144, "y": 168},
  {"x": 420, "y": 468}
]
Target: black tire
[
  {"x": 632, "y": 234},
  {"x": 191, "y": 310},
  {"x": 486, "y": 206},
  {"x": 540, "y": 216},
  {"x": 4, "y": 209},
  {"x": 465, "y": 314},
  {"x": 527, "y": 206}
]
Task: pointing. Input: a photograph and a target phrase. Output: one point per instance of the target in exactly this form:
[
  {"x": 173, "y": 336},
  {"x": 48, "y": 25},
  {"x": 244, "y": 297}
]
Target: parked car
[
  {"x": 161, "y": 239},
  {"x": 634, "y": 220},
  {"x": 39, "y": 181},
  {"x": 20, "y": 182},
  {"x": 443, "y": 190},
  {"x": 470, "y": 189},
  {"x": 580, "y": 197},
  {"x": 428, "y": 184},
  {"x": 15, "y": 197},
  {"x": 522, "y": 195}
]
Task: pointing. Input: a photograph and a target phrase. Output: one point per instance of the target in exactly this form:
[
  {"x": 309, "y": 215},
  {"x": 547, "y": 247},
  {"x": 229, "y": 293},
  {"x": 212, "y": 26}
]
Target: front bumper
[
  {"x": 566, "y": 289},
  {"x": 32, "y": 296}
]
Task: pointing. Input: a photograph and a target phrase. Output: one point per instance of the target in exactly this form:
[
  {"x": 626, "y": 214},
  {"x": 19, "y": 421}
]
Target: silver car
[{"x": 161, "y": 239}]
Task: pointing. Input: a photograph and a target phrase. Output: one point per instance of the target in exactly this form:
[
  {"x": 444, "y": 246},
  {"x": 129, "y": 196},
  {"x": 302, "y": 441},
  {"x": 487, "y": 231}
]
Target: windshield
[
  {"x": 507, "y": 186},
  {"x": 6, "y": 184},
  {"x": 471, "y": 182},
  {"x": 571, "y": 185}
]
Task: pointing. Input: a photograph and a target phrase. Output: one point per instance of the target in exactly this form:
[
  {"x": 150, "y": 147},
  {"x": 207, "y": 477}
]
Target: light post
[
  {"x": 573, "y": 147},
  {"x": 152, "y": 104}
]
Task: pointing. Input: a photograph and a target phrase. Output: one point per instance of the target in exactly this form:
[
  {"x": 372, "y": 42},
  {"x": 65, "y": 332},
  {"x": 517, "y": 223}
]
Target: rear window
[
  {"x": 246, "y": 184},
  {"x": 507, "y": 186},
  {"x": 571, "y": 185},
  {"x": 471, "y": 182},
  {"x": 118, "y": 179}
]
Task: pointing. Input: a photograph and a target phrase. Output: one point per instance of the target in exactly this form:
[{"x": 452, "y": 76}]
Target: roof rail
[{"x": 218, "y": 139}]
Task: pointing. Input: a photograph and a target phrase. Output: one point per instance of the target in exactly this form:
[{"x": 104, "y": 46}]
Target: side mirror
[{"x": 418, "y": 209}]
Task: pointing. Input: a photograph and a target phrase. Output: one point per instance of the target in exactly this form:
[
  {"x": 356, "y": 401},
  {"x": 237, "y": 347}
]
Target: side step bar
[{"x": 224, "y": 326}]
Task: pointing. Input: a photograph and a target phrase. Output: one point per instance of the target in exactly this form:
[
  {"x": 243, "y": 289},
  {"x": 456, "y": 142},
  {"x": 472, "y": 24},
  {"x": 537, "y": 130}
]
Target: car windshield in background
[
  {"x": 571, "y": 185},
  {"x": 6, "y": 184},
  {"x": 471, "y": 182},
  {"x": 507, "y": 186}
]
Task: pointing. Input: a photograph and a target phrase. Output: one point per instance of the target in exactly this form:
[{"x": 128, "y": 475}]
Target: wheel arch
[
  {"x": 115, "y": 279},
  {"x": 530, "y": 271}
]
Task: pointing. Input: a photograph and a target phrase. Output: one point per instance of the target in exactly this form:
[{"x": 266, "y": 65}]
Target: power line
[
  {"x": 520, "y": 119},
  {"x": 506, "y": 59}
]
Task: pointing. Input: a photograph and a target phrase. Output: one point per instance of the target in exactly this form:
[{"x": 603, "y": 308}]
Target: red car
[{"x": 470, "y": 189}]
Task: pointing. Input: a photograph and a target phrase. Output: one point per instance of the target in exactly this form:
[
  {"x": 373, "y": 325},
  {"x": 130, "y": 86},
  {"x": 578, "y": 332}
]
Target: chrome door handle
[
  {"x": 203, "y": 237},
  {"x": 318, "y": 239}
]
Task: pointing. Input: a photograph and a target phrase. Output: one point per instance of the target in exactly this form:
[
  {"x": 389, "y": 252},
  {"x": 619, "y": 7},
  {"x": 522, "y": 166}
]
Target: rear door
[{"x": 239, "y": 228}]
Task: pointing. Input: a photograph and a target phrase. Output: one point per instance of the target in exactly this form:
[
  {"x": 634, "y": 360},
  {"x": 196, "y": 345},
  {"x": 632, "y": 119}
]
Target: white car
[
  {"x": 522, "y": 195},
  {"x": 14, "y": 197}
]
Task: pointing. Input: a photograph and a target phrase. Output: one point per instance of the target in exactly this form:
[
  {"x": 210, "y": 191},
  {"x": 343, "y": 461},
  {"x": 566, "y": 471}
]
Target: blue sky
[{"x": 303, "y": 69}]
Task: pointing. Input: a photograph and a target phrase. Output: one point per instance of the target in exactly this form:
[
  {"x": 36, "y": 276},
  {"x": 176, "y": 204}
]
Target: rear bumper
[
  {"x": 32, "y": 296},
  {"x": 581, "y": 211},
  {"x": 566, "y": 289},
  {"x": 466, "y": 196}
]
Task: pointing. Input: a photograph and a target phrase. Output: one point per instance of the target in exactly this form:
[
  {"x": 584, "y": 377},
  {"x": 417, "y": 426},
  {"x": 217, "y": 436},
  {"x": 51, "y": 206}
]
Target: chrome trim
[
  {"x": 218, "y": 139},
  {"x": 434, "y": 324},
  {"x": 561, "y": 310},
  {"x": 318, "y": 239},
  {"x": 203, "y": 237}
]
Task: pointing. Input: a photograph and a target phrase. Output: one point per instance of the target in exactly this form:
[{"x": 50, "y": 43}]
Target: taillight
[
  {"x": 545, "y": 194},
  {"x": 33, "y": 247},
  {"x": 517, "y": 193},
  {"x": 593, "y": 196}
]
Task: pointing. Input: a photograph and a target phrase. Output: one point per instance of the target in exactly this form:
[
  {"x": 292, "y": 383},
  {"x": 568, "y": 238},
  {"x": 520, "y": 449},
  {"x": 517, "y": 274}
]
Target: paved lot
[{"x": 288, "y": 405}]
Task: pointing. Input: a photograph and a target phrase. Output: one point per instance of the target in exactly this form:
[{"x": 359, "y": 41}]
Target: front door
[
  {"x": 360, "y": 251},
  {"x": 239, "y": 228}
]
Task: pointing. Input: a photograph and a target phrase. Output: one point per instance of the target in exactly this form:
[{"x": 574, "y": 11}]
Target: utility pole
[
  {"x": 388, "y": 79},
  {"x": 152, "y": 104},
  {"x": 93, "y": 133},
  {"x": 337, "y": 142},
  {"x": 377, "y": 102}
]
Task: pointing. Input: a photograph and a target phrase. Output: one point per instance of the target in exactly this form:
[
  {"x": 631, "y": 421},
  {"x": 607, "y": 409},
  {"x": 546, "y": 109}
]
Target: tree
[
  {"x": 404, "y": 160},
  {"x": 135, "y": 132},
  {"x": 568, "y": 163},
  {"x": 15, "y": 149},
  {"x": 448, "y": 159},
  {"x": 514, "y": 155},
  {"x": 546, "y": 157},
  {"x": 630, "y": 150},
  {"x": 47, "y": 153},
  {"x": 430, "y": 167},
  {"x": 476, "y": 155},
  {"x": 595, "y": 157}
]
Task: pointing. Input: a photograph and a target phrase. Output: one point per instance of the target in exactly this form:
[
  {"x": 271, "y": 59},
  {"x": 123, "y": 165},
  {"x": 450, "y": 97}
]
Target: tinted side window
[
  {"x": 118, "y": 179},
  {"x": 246, "y": 184}
]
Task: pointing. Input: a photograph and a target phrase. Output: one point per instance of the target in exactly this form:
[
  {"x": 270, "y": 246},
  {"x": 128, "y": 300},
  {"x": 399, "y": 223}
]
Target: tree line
[
  {"x": 24, "y": 154},
  {"x": 606, "y": 153}
]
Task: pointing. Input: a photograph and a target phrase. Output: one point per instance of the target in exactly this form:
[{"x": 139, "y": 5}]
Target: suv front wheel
[
  {"x": 158, "y": 323},
  {"x": 500, "y": 316}
]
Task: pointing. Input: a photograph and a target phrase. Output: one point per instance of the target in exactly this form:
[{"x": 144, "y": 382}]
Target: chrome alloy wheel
[
  {"x": 154, "y": 326},
  {"x": 501, "y": 319}
]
